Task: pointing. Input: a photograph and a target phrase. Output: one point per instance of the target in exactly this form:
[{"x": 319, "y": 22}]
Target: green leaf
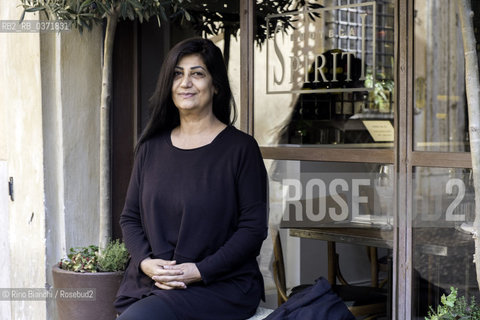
[
  {"x": 103, "y": 8},
  {"x": 123, "y": 9},
  {"x": 85, "y": 5},
  {"x": 35, "y": 9},
  {"x": 87, "y": 15},
  {"x": 135, "y": 4},
  {"x": 163, "y": 15},
  {"x": 22, "y": 16},
  {"x": 79, "y": 22},
  {"x": 146, "y": 16}
]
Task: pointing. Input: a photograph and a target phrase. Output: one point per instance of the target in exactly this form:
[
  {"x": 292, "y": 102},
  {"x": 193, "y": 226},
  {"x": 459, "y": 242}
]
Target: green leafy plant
[
  {"x": 114, "y": 257},
  {"x": 90, "y": 259},
  {"x": 453, "y": 308},
  {"x": 85, "y": 13},
  {"x": 382, "y": 90}
]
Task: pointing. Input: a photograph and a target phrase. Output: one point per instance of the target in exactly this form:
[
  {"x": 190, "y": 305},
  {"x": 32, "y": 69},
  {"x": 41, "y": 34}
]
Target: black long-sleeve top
[{"x": 206, "y": 205}]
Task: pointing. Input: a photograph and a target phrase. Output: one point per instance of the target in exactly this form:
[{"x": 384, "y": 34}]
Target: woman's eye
[
  {"x": 198, "y": 74},
  {"x": 177, "y": 74}
]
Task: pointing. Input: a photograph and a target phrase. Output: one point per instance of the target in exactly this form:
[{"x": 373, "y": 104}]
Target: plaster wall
[
  {"x": 79, "y": 94},
  {"x": 22, "y": 147},
  {"x": 49, "y": 133},
  {"x": 5, "y": 310},
  {"x": 71, "y": 84}
]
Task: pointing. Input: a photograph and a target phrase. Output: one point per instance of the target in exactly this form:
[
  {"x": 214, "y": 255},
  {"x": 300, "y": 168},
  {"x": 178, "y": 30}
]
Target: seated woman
[{"x": 195, "y": 214}]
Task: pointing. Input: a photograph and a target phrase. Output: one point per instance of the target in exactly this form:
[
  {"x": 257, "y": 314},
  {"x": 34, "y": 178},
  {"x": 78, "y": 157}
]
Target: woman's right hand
[{"x": 155, "y": 267}]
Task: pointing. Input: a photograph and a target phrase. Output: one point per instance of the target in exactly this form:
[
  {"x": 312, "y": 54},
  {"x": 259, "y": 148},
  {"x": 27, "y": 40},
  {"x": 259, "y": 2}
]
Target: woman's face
[{"x": 192, "y": 89}]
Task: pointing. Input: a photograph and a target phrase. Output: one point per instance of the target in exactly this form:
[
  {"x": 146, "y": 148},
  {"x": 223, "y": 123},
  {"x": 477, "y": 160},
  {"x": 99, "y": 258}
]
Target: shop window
[
  {"x": 328, "y": 75},
  {"x": 443, "y": 209},
  {"x": 350, "y": 204},
  {"x": 440, "y": 107}
]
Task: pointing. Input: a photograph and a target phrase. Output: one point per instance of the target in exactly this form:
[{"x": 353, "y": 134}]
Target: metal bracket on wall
[{"x": 10, "y": 189}]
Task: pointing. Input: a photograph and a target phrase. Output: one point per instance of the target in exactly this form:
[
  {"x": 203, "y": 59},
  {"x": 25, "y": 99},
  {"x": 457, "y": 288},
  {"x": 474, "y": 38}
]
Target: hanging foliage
[
  {"x": 83, "y": 14},
  {"x": 215, "y": 17}
]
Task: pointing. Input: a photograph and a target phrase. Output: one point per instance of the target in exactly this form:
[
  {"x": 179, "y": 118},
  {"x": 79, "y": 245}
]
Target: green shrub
[
  {"x": 113, "y": 258},
  {"x": 452, "y": 308},
  {"x": 89, "y": 259}
]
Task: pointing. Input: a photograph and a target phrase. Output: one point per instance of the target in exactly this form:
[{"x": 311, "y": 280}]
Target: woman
[{"x": 195, "y": 214}]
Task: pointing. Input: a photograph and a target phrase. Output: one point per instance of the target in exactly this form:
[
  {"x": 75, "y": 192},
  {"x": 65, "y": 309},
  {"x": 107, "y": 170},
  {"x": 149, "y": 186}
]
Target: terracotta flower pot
[{"x": 82, "y": 304}]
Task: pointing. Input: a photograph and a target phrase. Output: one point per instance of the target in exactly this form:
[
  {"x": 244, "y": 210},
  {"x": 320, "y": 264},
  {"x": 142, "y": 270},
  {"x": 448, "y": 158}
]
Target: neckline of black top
[{"x": 217, "y": 137}]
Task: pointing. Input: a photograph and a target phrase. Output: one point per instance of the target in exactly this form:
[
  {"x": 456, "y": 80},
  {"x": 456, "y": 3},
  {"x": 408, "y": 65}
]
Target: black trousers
[{"x": 149, "y": 308}]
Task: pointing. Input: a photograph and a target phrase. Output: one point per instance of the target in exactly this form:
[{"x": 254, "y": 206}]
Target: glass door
[
  {"x": 324, "y": 114},
  {"x": 440, "y": 193},
  {"x": 360, "y": 111}
]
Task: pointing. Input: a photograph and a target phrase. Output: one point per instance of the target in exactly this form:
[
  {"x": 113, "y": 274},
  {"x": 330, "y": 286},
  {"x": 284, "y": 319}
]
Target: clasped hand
[{"x": 169, "y": 275}]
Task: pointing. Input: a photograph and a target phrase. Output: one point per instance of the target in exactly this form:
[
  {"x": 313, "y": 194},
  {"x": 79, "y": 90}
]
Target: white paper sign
[{"x": 380, "y": 130}]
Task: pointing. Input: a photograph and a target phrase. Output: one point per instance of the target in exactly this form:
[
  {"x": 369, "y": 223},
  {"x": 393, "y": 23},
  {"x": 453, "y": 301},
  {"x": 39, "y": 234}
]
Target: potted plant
[
  {"x": 87, "y": 281},
  {"x": 452, "y": 308}
]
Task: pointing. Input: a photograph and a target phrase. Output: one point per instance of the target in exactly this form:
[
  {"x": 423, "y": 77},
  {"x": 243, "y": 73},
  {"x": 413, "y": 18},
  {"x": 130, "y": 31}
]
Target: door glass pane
[
  {"x": 324, "y": 76},
  {"x": 350, "y": 204},
  {"x": 333, "y": 194},
  {"x": 443, "y": 249},
  {"x": 440, "y": 108}
]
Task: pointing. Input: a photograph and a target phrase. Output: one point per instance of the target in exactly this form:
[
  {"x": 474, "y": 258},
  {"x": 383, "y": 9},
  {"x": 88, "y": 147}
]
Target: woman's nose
[{"x": 186, "y": 81}]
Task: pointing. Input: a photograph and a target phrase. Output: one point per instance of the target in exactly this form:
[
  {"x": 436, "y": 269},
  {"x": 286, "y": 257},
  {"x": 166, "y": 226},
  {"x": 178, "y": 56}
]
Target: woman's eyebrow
[
  {"x": 194, "y": 67},
  {"x": 197, "y": 67}
]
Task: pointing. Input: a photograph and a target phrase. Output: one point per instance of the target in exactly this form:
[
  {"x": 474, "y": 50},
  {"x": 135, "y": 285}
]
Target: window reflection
[
  {"x": 329, "y": 79},
  {"x": 309, "y": 194},
  {"x": 440, "y": 109},
  {"x": 323, "y": 194},
  {"x": 442, "y": 249}
]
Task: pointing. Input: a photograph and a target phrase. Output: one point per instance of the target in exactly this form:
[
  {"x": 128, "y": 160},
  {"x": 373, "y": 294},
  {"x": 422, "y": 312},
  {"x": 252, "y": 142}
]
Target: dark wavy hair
[{"x": 164, "y": 114}]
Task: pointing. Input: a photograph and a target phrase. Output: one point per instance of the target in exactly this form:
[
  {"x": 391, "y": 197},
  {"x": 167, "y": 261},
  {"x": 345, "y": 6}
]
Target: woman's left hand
[{"x": 190, "y": 274}]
